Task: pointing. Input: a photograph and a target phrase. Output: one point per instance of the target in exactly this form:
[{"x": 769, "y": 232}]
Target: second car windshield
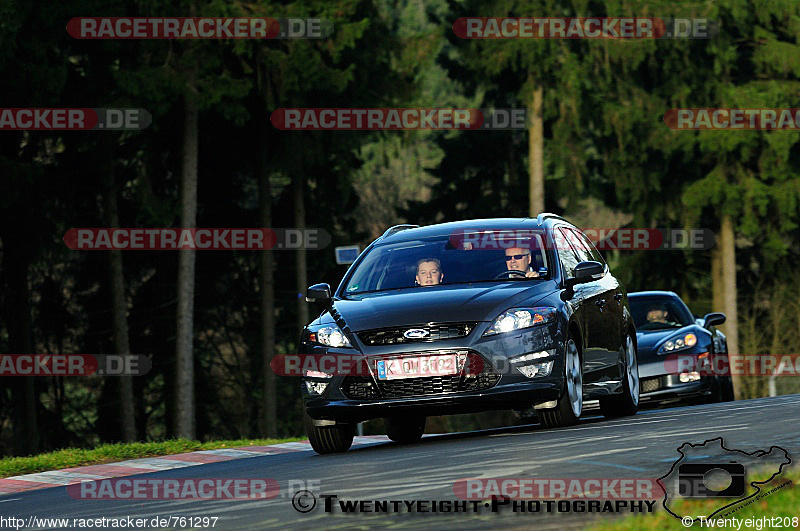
[
  {"x": 655, "y": 313},
  {"x": 445, "y": 260}
]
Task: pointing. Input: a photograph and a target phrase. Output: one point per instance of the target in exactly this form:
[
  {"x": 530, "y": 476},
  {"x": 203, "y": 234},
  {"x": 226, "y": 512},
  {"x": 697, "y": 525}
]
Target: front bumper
[
  {"x": 501, "y": 385},
  {"x": 670, "y": 387},
  {"x": 520, "y": 395}
]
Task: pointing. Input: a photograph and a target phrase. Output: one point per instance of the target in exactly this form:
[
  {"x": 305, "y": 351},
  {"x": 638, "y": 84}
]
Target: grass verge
[
  {"x": 109, "y": 453},
  {"x": 783, "y": 502}
]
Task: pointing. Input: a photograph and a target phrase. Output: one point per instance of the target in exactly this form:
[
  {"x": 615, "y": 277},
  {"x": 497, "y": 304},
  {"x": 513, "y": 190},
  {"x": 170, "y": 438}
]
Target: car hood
[
  {"x": 456, "y": 303},
  {"x": 649, "y": 341}
]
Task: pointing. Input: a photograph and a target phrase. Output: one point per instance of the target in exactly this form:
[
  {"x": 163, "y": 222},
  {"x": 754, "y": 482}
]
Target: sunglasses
[{"x": 515, "y": 257}]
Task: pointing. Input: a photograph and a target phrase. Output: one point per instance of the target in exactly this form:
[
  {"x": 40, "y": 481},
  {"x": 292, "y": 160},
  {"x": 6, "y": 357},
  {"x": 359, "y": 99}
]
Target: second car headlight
[
  {"x": 519, "y": 318},
  {"x": 680, "y": 342},
  {"x": 330, "y": 336}
]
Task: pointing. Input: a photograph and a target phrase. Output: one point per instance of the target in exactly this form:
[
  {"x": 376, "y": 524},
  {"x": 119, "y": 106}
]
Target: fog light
[
  {"x": 536, "y": 369},
  {"x": 532, "y": 356},
  {"x": 689, "y": 377},
  {"x": 316, "y": 388}
]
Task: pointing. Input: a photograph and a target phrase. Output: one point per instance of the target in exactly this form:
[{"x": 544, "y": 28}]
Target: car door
[
  {"x": 612, "y": 309},
  {"x": 586, "y": 302}
]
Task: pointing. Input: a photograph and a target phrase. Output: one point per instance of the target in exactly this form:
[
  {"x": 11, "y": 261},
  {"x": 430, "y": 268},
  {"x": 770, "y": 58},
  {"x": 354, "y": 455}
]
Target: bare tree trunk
[
  {"x": 536, "y": 151},
  {"x": 728, "y": 268},
  {"x": 717, "y": 289},
  {"x": 17, "y": 254},
  {"x": 185, "y": 407},
  {"x": 269, "y": 419},
  {"x": 302, "y": 264},
  {"x": 20, "y": 340},
  {"x": 119, "y": 312}
]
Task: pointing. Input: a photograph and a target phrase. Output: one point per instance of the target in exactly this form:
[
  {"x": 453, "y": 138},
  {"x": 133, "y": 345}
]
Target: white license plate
[{"x": 416, "y": 367}]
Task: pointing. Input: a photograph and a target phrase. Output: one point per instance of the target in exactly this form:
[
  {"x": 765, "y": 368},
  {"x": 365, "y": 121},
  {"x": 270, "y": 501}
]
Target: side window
[
  {"x": 581, "y": 252},
  {"x": 566, "y": 254},
  {"x": 587, "y": 247}
]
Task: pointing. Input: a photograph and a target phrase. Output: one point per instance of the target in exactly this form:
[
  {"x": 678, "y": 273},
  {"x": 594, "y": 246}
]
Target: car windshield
[
  {"x": 658, "y": 313},
  {"x": 447, "y": 260}
]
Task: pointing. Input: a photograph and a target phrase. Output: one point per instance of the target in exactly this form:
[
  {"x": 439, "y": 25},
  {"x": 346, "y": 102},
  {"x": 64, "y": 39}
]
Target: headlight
[
  {"x": 330, "y": 336},
  {"x": 518, "y": 318},
  {"x": 679, "y": 343}
]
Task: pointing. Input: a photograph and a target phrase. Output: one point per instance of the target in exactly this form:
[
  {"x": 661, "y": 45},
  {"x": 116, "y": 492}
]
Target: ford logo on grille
[{"x": 416, "y": 333}]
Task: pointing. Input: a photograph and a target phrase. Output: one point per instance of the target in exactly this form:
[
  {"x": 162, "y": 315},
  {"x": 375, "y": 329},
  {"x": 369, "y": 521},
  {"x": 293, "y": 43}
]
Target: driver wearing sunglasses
[{"x": 519, "y": 259}]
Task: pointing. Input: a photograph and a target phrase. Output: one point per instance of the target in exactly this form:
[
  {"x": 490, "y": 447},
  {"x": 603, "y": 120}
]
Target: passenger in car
[
  {"x": 657, "y": 315},
  {"x": 429, "y": 272},
  {"x": 519, "y": 259}
]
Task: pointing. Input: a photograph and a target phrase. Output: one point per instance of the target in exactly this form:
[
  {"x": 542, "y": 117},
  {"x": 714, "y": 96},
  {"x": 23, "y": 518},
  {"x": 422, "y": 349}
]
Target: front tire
[
  {"x": 722, "y": 390},
  {"x": 405, "y": 430},
  {"x": 627, "y": 403},
  {"x": 570, "y": 404},
  {"x": 329, "y": 439}
]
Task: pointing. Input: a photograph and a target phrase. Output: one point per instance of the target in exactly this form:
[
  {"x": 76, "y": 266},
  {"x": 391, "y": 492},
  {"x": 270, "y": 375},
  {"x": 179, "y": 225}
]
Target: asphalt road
[{"x": 640, "y": 446}]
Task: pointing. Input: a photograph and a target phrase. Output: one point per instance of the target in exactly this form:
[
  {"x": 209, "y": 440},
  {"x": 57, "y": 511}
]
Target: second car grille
[
  {"x": 651, "y": 384},
  {"x": 435, "y": 331},
  {"x": 360, "y": 387}
]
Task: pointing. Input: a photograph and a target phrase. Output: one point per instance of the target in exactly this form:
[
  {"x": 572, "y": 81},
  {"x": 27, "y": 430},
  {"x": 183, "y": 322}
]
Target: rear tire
[
  {"x": 405, "y": 430},
  {"x": 329, "y": 439},
  {"x": 627, "y": 403},
  {"x": 570, "y": 404}
]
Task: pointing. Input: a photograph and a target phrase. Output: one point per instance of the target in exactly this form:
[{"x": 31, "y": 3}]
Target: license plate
[{"x": 416, "y": 367}]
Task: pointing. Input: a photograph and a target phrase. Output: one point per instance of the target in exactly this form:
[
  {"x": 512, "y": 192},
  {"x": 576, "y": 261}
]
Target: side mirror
[
  {"x": 586, "y": 272},
  {"x": 713, "y": 319},
  {"x": 318, "y": 293}
]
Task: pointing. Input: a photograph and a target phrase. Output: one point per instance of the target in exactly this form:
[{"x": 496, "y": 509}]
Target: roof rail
[
  {"x": 544, "y": 215},
  {"x": 397, "y": 228}
]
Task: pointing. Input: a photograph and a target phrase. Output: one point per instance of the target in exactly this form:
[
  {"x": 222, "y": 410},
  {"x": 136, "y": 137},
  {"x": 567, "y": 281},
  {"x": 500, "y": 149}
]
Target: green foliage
[{"x": 110, "y": 453}]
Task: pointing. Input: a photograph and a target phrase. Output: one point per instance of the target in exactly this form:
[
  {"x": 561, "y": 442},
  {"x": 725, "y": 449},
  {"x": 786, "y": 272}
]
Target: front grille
[
  {"x": 360, "y": 387},
  {"x": 436, "y": 331},
  {"x": 651, "y": 384}
]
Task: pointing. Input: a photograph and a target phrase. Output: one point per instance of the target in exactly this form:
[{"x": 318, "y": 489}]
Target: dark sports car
[
  {"x": 676, "y": 349},
  {"x": 464, "y": 317}
]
